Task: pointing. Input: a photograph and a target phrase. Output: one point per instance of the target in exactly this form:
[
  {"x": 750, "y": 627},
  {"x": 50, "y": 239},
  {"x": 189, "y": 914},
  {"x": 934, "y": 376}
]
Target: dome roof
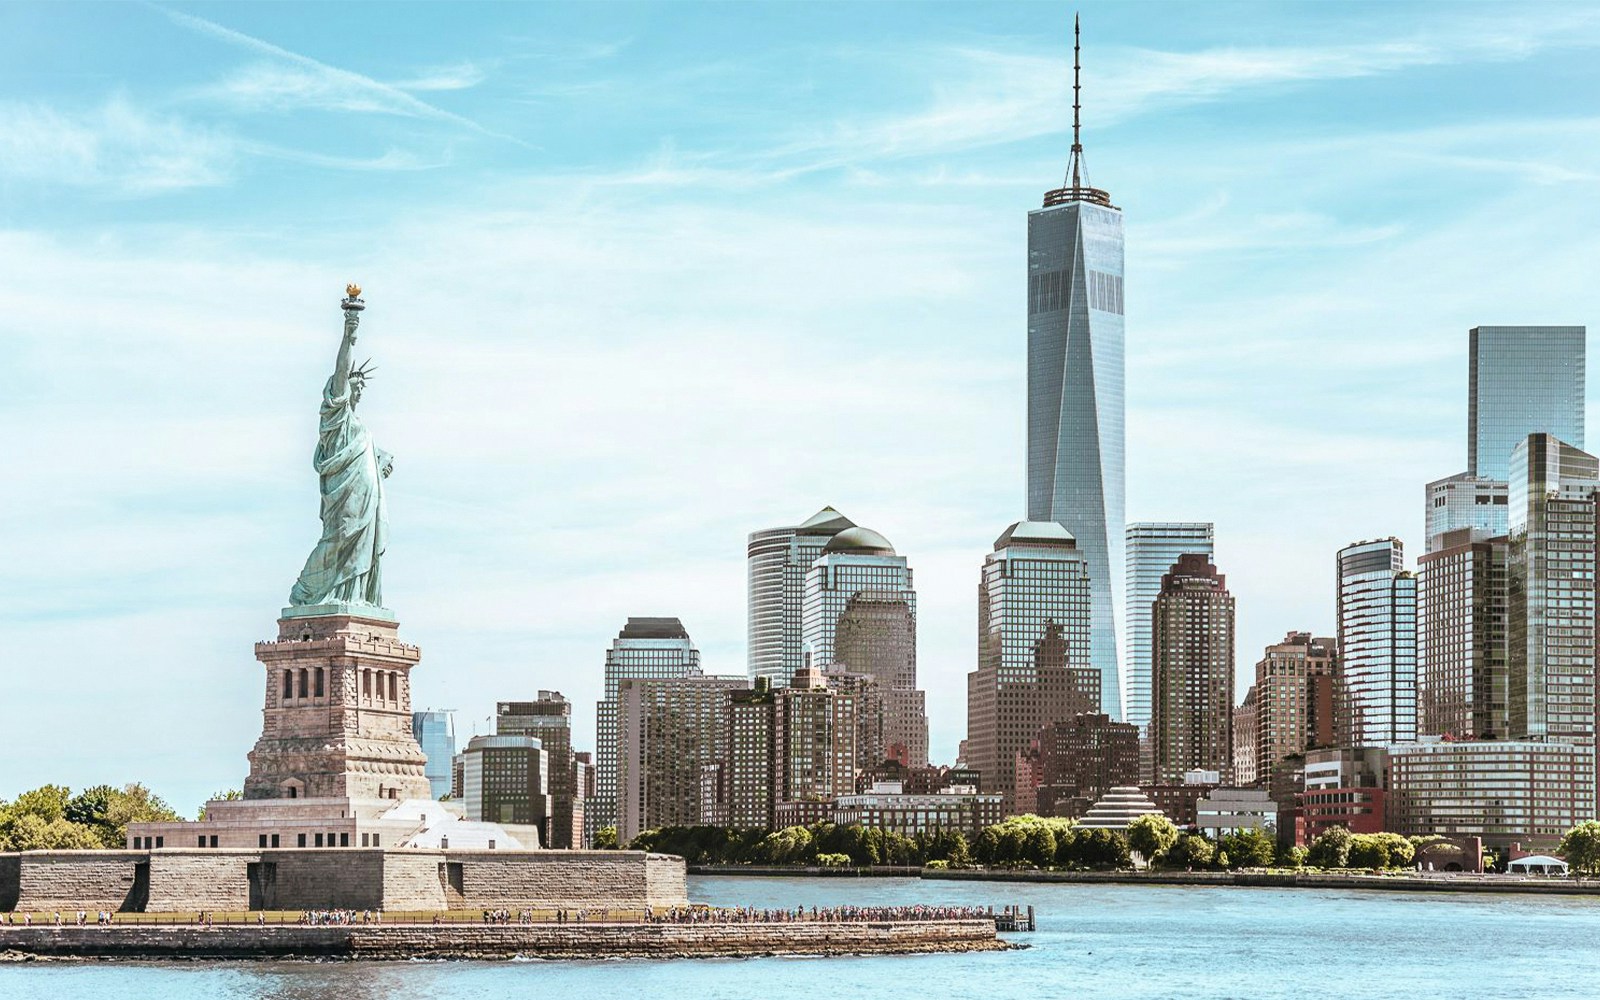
[{"x": 861, "y": 540}]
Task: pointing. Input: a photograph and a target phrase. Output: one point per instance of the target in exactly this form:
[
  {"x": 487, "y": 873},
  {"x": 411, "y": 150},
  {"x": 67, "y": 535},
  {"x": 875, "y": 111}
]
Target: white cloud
[{"x": 116, "y": 146}]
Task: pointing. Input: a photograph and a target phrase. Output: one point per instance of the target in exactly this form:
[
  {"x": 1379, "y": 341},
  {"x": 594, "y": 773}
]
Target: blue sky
[{"x": 645, "y": 278}]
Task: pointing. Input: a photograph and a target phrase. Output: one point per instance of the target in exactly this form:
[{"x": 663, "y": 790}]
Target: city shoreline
[
  {"x": 472, "y": 942},
  {"x": 1259, "y": 880}
]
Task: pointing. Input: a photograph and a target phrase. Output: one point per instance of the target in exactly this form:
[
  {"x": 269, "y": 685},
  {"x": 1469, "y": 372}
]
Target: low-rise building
[
  {"x": 888, "y": 807},
  {"x": 1504, "y": 791},
  {"x": 1233, "y": 810}
]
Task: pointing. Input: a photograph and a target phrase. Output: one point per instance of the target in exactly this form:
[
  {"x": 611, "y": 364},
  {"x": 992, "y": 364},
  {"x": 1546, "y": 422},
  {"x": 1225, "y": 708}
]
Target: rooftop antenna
[{"x": 1077, "y": 106}]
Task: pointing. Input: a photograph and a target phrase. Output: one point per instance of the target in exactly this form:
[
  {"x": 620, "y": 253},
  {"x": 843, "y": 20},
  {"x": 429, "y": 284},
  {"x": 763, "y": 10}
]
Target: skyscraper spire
[
  {"x": 1077, "y": 106},
  {"x": 1076, "y": 186}
]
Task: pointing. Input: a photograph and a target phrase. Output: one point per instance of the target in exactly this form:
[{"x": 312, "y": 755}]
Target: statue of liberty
[{"x": 344, "y": 568}]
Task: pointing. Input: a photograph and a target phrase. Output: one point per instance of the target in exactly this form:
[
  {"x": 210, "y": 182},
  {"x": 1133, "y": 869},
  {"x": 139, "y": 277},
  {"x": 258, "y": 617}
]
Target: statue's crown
[{"x": 363, "y": 373}]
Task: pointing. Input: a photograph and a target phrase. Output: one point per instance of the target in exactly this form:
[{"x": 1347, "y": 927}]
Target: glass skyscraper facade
[
  {"x": 645, "y": 649},
  {"x": 1033, "y": 649},
  {"x": 436, "y": 734},
  {"x": 778, "y": 560},
  {"x": 1523, "y": 380},
  {"x": 1464, "y": 501},
  {"x": 1377, "y": 612},
  {"x": 1075, "y": 398},
  {"x": 855, "y": 561},
  {"x": 1550, "y": 571},
  {"x": 1152, "y": 550}
]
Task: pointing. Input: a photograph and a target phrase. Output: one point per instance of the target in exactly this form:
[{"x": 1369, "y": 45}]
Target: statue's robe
[{"x": 345, "y": 564}]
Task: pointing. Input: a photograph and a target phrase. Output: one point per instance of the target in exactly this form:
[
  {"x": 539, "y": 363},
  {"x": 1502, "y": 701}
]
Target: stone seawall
[
  {"x": 477, "y": 941},
  {"x": 189, "y": 879}
]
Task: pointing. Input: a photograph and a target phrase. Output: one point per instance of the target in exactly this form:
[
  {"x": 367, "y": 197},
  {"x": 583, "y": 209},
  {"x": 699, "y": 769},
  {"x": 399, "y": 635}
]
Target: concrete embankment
[
  {"x": 473, "y": 941},
  {"x": 1291, "y": 880}
]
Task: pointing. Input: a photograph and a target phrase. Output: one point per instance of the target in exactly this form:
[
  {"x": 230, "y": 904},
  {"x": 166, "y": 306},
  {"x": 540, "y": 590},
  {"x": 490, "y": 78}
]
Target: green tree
[
  {"x": 1152, "y": 835},
  {"x": 1580, "y": 847},
  {"x": 605, "y": 838},
  {"x": 1250, "y": 848},
  {"x": 30, "y": 832},
  {"x": 1331, "y": 849},
  {"x": 1190, "y": 850},
  {"x": 1367, "y": 851}
]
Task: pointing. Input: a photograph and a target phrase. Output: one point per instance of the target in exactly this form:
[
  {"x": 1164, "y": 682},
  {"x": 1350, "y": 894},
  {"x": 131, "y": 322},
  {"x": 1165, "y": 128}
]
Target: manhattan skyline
[{"x": 625, "y": 322}]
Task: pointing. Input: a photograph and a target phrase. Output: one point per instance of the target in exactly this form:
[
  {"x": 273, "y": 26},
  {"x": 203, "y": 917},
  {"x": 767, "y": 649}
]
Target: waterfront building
[
  {"x": 1293, "y": 701},
  {"x": 815, "y": 740},
  {"x": 1033, "y": 645},
  {"x": 668, "y": 730},
  {"x": 749, "y": 773},
  {"x": 646, "y": 648},
  {"x": 1463, "y": 605},
  {"x": 1192, "y": 695},
  {"x": 1359, "y": 810},
  {"x": 1178, "y": 800},
  {"x": 435, "y": 732},
  {"x": 778, "y": 561},
  {"x": 549, "y": 718},
  {"x": 1550, "y": 573},
  {"x": 506, "y": 780},
  {"x": 583, "y": 779},
  {"x": 1076, "y": 436},
  {"x": 1465, "y": 501},
  {"x": 887, "y": 806},
  {"x": 1152, "y": 549},
  {"x": 1377, "y": 618},
  {"x": 1233, "y": 810},
  {"x": 1504, "y": 791},
  {"x": 1078, "y": 760},
  {"x": 1523, "y": 380},
  {"x": 1117, "y": 808}
]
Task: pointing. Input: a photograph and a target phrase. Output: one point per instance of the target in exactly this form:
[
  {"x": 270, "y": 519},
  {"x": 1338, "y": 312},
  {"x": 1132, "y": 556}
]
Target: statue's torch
[{"x": 353, "y": 302}]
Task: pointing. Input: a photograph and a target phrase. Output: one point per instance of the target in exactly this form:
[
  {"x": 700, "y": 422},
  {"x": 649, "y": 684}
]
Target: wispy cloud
[
  {"x": 116, "y": 146},
  {"x": 315, "y": 84},
  {"x": 458, "y": 76}
]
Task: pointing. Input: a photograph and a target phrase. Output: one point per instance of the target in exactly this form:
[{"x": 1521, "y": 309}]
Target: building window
[
  {"x": 319, "y": 840},
  {"x": 161, "y": 841},
  {"x": 366, "y": 683},
  {"x": 261, "y": 841},
  {"x": 304, "y": 679},
  {"x": 365, "y": 837},
  {"x": 213, "y": 840},
  {"x": 288, "y": 683},
  {"x": 344, "y": 840},
  {"x": 202, "y": 840},
  {"x": 394, "y": 687},
  {"x": 374, "y": 840},
  {"x": 319, "y": 682},
  {"x": 274, "y": 840}
]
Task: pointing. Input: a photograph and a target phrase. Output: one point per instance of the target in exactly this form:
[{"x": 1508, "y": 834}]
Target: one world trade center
[{"x": 1075, "y": 391}]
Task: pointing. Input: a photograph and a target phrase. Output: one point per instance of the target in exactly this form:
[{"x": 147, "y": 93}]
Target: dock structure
[{"x": 1014, "y": 919}]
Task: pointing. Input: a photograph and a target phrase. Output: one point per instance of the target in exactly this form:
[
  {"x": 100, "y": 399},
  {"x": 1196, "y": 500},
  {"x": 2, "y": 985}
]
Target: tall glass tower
[
  {"x": 1377, "y": 645},
  {"x": 1075, "y": 388},
  {"x": 1522, "y": 380},
  {"x": 1153, "y": 549}
]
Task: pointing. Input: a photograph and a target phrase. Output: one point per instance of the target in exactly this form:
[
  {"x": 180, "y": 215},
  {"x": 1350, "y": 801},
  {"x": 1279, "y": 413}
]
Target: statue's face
[{"x": 356, "y": 385}]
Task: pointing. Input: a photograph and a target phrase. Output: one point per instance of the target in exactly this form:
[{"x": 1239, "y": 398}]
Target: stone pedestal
[{"x": 337, "y": 717}]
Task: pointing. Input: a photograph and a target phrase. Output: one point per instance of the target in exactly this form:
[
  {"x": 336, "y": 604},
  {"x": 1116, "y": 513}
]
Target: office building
[
  {"x": 436, "y": 734},
  {"x": 1246, "y": 734},
  {"x": 886, "y": 806},
  {"x": 1224, "y": 811},
  {"x": 668, "y": 730},
  {"x": 646, "y": 648},
  {"x": 1191, "y": 722},
  {"x": 1377, "y": 619},
  {"x": 1523, "y": 380},
  {"x": 1464, "y": 501},
  {"x": 1152, "y": 549},
  {"x": 1504, "y": 791},
  {"x": 549, "y": 718},
  {"x": 778, "y": 561},
  {"x": 1550, "y": 579},
  {"x": 860, "y": 612},
  {"x": 876, "y": 636},
  {"x": 1463, "y": 606},
  {"x": 1075, "y": 390},
  {"x": 1033, "y": 645},
  {"x": 505, "y": 780}
]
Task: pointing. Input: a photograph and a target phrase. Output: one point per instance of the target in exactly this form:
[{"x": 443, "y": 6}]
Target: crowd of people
[
  {"x": 825, "y": 914},
  {"x": 340, "y": 918}
]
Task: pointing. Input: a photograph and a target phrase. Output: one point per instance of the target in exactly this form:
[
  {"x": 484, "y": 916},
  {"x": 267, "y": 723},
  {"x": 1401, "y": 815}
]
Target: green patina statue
[{"x": 343, "y": 572}]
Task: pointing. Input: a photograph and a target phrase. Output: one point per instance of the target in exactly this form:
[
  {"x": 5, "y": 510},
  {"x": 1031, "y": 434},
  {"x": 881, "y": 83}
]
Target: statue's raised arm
[{"x": 343, "y": 570}]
